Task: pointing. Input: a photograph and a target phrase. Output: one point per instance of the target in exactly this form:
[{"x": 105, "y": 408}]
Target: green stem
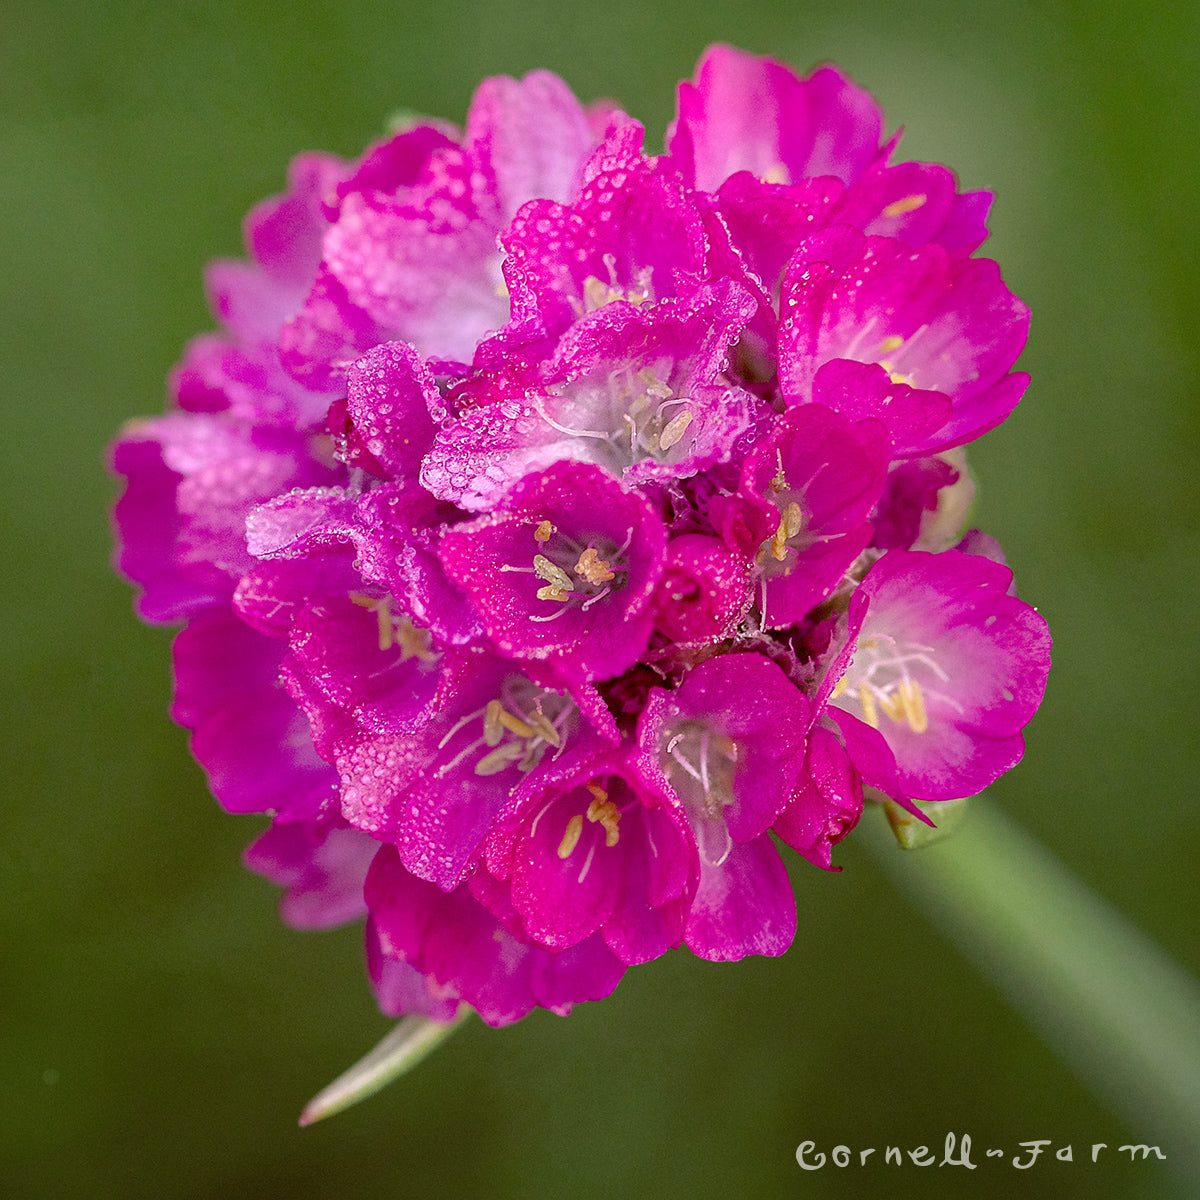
[
  {"x": 412, "y": 1040},
  {"x": 1123, "y": 1015}
]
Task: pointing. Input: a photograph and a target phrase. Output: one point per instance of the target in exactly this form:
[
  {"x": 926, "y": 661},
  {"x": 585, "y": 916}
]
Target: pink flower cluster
[{"x": 558, "y": 528}]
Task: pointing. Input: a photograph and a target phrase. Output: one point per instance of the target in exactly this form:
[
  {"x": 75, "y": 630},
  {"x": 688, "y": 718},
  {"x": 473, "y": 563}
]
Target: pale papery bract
[{"x": 558, "y": 527}]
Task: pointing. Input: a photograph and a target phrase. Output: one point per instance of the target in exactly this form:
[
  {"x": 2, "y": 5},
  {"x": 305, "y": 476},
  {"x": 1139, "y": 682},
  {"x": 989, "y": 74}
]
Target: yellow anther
[
  {"x": 776, "y": 173},
  {"x": 493, "y": 732},
  {"x": 591, "y": 567},
  {"x": 793, "y": 519},
  {"x": 839, "y": 687},
  {"x": 413, "y": 642},
  {"x": 870, "y": 714},
  {"x": 791, "y": 522},
  {"x": 913, "y": 700},
  {"x": 498, "y": 759},
  {"x": 382, "y": 608},
  {"x": 890, "y": 343},
  {"x": 514, "y": 724},
  {"x": 652, "y": 385},
  {"x": 674, "y": 430},
  {"x": 607, "y": 813},
  {"x": 383, "y": 622},
  {"x": 557, "y": 580},
  {"x": 571, "y": 837},
  {"x": 597, "y": 293},
  {"x": 542, "y": 727},
  {"x": 543, "y": 532},
  {"x": 597, "y": 791},
  {"x": 532, "y": 756},
  {"x": 892, "y": 704},
  {"x": 908, "y": 204}
]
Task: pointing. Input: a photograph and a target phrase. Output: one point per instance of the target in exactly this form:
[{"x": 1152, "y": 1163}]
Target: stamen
[
  {"x": 571, "y": 837},
  {"x": 383, "y": 621},
  {"x": 704, "y": 766},
  {"x": 550, "y": 593},
  {"x": 587, "y": 863},
  {"x": 471, "y": 716},
  {"x": 914, "y": 705},
  {"x": 596, "y": 294},
  {"x": 413, "y": 642},
  {"x": 682, "y": 761},
  {"x": 552, "y": 574},
  {"x": 543, "y": 532},
  {"x": 791, "y": 522},
  {"x": 514, "y": 725},
  {"x": 540, "y": 814},
  {"x": 624, "y": 545},
  {"x": 870, "y": 714},
  {"x": 464, "y": 753},
  {"x": 592, "y": 567},
  {"x": 607, "y": 813},
  {"x": 539, "y": 407},
  {"x": 898, "y": 208},
  {"x": 653, "y": 387},
  {"x": 381, "y": 606},
  {"x": 503, "y": 756},
  {"x": 892, "y": 704},
  {"x": 532, "y": 756},
  {"x": 542, "y": 727},
  {"x": 891, "y": 343},
  {"x": 779, "y": 481},
  {"x": 674, "y": 430},
  {"x": 492, "y": 732}
]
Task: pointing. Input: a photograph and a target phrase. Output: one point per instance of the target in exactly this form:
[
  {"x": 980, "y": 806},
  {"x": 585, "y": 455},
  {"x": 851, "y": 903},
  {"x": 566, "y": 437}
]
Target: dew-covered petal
[
  {"x": 743, "y": 906},
  {"x": 749, "y": 113},
  {"x": 468, "y": 955}
]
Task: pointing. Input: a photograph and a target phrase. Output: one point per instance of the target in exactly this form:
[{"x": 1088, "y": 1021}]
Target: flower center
[
  {"x": 396, "y": 630},
  {"x": 597, "y": 293},
  {"x": 600, "y": 809},
  {"x": 518, "y": 726},
  {"x": 700, "y": 764},
  {"x": 575, "y": 573},
  {"x": 882, "y": 679},
  {"x": 792, "y": 536},
  {"x": 633, "y": 413}
]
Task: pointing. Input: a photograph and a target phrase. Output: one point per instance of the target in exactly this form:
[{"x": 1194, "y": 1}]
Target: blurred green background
[{"x": 160, "y": 1029}]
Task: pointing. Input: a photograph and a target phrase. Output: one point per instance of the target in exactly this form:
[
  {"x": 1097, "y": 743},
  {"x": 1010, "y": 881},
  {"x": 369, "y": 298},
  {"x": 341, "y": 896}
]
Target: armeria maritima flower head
[{"x": 563, "y": 534}]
